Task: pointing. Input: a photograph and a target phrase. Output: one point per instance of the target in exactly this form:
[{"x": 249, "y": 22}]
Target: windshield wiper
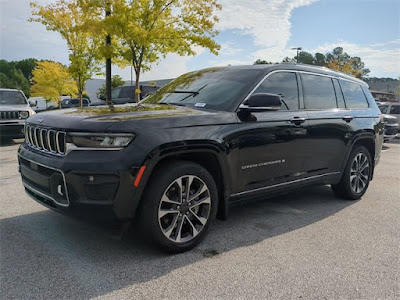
[
  {"x": 172, "y": 103},
  {"x": 195, "y": 93}
]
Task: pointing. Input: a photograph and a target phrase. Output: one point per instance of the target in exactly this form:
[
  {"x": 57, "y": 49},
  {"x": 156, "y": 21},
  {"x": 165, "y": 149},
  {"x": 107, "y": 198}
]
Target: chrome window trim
[
  {"x": 284, "y": 183},
  {"x": 49, "y": 197},
  {"x": 357, "y": 81}
]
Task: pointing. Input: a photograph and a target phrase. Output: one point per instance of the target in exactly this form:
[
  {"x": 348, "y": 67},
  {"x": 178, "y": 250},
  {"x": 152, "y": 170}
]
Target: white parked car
[
  {"x": 14, "y": 110},
  {"x": 41, "y": 104}
]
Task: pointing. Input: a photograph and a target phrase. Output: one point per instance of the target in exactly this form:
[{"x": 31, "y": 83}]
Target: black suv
[{"x": 204, "y": 141}]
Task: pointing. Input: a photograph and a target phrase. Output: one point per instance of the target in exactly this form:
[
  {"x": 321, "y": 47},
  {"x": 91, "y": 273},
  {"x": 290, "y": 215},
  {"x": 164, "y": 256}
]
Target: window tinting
[
  {"x": 318, "y": 92},
  {"x": 127, "y": 92},
  {"x": 395, "y": 109},
  {"x": 284, "y": 84},
  {"x": 353, "y": 95},
  {"x": 339, "y": 94},
  {"x": 383, "y": 108},
  {"x": 115, "y": 93}
]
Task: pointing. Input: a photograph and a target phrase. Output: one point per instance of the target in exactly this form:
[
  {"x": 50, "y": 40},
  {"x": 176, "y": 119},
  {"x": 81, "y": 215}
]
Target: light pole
[{"x": 298, "y": 49}]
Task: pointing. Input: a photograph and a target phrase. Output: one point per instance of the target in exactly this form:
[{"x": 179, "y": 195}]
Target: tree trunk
[{"x": 137, "y": 87}]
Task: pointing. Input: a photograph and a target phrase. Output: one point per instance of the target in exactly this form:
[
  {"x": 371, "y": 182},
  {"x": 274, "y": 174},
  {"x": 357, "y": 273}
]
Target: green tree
[
  {"x": 67, "y": 18},
  {"x": 116, "y": 81},
  {"x": 319, "y": 59},
  {"x": 52, "y": 80},
  {"x": 144, "y": 31},
  {"x": 262, "y": 62},
  {"x": 341, "y": 61},
  {"x": 305, "y": 58},
  {"x": 13, "y": 78},
  {"x": 289, "y": 60}
]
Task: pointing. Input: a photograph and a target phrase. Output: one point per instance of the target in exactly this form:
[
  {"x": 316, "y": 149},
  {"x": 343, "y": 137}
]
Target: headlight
[
  {"x": 24, "y": 114},
  {"x": 103, "y": 140}
]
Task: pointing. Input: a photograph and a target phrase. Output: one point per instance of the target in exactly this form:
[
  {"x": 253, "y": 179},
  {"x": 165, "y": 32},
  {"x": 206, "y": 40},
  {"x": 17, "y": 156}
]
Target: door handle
[
  {"x": 297, "y": 120},
  {"x": 347, "y": 118}
]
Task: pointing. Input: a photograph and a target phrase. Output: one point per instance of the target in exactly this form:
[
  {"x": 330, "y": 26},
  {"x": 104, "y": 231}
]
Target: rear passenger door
[{"x": 331, "y": 124}]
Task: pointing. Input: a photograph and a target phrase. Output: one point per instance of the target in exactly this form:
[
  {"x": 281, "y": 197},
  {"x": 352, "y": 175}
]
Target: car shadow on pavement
[
  {"x": 49, "y": 255},
  {"x": 9, "y": 142}
]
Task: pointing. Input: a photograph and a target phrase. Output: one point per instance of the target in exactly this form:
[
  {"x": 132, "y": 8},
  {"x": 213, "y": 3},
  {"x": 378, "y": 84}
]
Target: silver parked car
[
  {"x": 390, "y": 108},
  {"x": 14, "y": 110}
]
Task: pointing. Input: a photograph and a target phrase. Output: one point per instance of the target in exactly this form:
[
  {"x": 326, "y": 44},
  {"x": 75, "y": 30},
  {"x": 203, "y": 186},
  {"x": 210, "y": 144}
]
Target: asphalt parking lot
[{"x": 307, "y": 245}]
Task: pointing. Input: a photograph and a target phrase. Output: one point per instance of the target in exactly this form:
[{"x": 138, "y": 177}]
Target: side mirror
[
  {"x": 32, "y": 103},
  {"x": 262, "y": 102}
]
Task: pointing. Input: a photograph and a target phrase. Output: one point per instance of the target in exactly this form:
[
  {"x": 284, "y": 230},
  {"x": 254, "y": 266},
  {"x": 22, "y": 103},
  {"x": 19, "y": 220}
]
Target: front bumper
[
  {"x": 71, "y": 184},
  {"x": 391, "y": 131},
  {"x": 13, "y": 129}
]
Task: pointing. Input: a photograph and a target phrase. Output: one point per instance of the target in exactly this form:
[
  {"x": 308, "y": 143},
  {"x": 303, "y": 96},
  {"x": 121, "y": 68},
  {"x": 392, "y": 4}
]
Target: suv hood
[
  {"x": 126, "y": 117},
  {"x": 16, "y": 107}
]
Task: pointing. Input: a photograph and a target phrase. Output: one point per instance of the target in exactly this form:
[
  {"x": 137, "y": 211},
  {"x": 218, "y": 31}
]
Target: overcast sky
[{"x": 249, "y": 29}]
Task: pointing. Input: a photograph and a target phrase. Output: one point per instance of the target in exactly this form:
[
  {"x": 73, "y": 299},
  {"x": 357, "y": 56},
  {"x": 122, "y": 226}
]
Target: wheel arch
[
  {"x": 208, "y": 157},
  {"x": 368, "y": 142}
]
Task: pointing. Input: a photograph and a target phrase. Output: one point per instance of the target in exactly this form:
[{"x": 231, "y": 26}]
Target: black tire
[
  {"x": 356, "y": 175},
  {"x": 172, "y": 226}
]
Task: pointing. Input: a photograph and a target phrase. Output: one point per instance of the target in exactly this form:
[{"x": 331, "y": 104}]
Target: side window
[
  {"x": 115, "y": 93},
  {"x": 353, "y": 95},
  {"x": 284, "y": 84},
  {"x": 339, "y": 94},
  {"x": 383, "y": 108},
  {"x": 128, "y": 92},
  {"x": 318, "y": 92},
  {"x": 395, "y": 109},
  {"x": 74, "y": 101}
]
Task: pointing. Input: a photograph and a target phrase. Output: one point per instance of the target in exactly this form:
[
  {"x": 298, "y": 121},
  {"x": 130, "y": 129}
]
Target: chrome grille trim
[{"x": 42, "y": 139}]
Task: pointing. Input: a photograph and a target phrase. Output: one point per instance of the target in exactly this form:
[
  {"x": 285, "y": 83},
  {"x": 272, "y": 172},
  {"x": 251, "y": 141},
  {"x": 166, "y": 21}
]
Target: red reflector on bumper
[{"x": 139, "y": 176}]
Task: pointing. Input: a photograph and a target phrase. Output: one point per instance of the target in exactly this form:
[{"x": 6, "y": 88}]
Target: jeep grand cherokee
[{"x": 204, "y": 141}]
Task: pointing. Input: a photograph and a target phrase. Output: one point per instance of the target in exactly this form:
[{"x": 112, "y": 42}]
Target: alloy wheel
[
  {"x": 359, "y": 173},
  {"x": 184, "y": 208}
]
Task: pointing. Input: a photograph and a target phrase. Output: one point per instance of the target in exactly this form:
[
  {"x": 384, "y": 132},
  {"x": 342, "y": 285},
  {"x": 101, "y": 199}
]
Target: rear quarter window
[
  {"x": 318, "y": 92},
  {"x": 353, "y": 95}
]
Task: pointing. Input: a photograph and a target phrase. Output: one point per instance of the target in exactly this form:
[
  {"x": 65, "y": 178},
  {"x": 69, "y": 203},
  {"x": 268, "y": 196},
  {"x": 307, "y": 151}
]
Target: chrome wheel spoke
[
  {"x": 171, "y": 228},
  {"x": 163, "y": 212},
  {"x": 194, "y": 230},
  {"x": 201, "y": 219},
  {"x": 168, "y": 200},
  {"x": 204, "y": 200},
  {"x": 364, "y": 166},
  {"x": 198, "y": 193},
  {"x": 179, "y": 229}
]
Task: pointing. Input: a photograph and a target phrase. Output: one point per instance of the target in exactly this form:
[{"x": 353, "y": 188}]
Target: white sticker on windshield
[{"x": 200, "y": 104}]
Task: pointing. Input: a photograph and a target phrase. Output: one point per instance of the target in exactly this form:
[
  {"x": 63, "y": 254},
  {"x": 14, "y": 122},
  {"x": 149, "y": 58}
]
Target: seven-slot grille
[
  {"x": 45, "y": 139},
  {"x": 9, "y": 115}
]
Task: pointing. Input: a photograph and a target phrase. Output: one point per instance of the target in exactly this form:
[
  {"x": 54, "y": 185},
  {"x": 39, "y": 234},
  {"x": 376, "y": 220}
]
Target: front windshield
[
  {"x": 11, "y": 98},
  {"x": 215, "y": 88}
]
